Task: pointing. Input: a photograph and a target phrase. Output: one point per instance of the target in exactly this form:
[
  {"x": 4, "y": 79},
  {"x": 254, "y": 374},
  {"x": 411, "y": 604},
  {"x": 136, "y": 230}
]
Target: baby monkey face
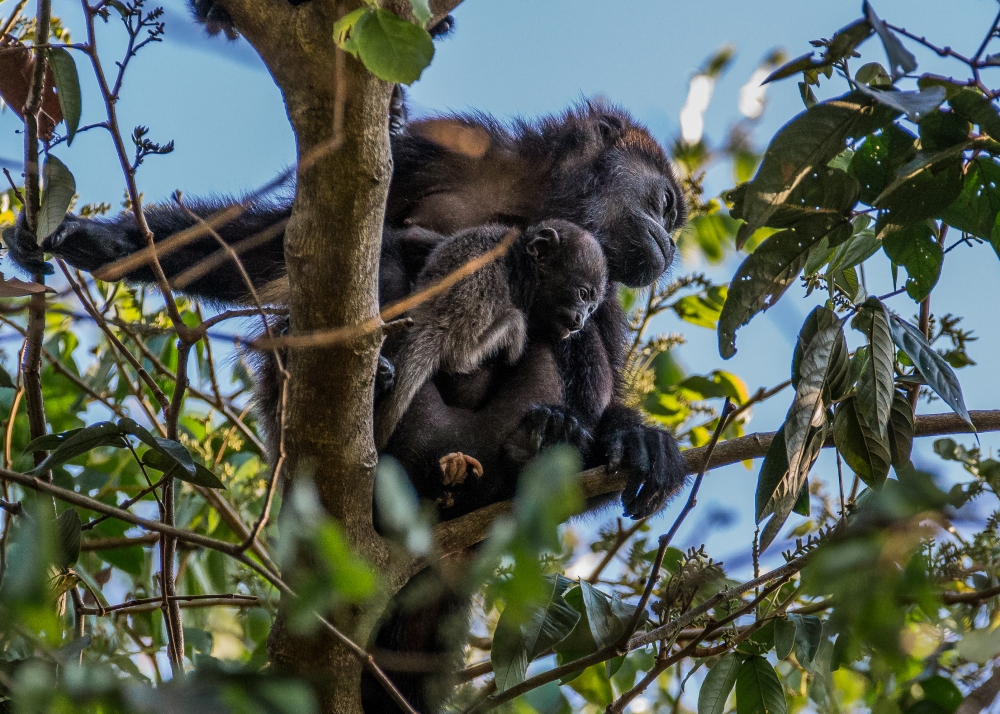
[{"x": 571, "y": 276}]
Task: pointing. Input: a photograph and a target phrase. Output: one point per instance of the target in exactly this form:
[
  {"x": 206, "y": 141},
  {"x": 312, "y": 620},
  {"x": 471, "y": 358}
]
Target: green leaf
[
  {"x": 808, "y": 141},
  {"x": 60, "y": 187},
  {"x": 391, "y": 48},
  {"x": 517, "y": 644},
  {"x": 67, "y": 539},
  {"x": 808, "y": 637},
  {"x": 924, "y": 188},
  {"x": 702, "y": 310},
  {"x": 861, "y": 446},
  {"x": 799, "y": 64},
  {"x": 758, "y": 690},
  {"x": 824, "y": 360},
  {"x": 901, "y": 60},
  {"x": 819, "y": 319},
  {"x": 900, "y": 431},
  {"x": 859, "y": 248},
  {"x": 932, "y": 366},
  {"x": 943, "y": 692},
  {"x": 784, "y": 636},
  {"x": 719, "y": 682},
  {"x": 875, "y": 162},
  {"x": 175, "y": 452},
  {"x": 100, "y": 434},
  {"x": 915, "y": 248},
  {"x": 942, "y": 130},
  {"x": 803, "y": 503},
  {"x": 421, "y": 10},
  {"x": 764, "y": 277},
  {"x": 68, "y": 83},
  {"x": 343, "y": 30},
  {"x": 875, "y": 383},
  {"x": 5, "y": 380},
  {"x": 201, "y": 476},
  {"x": 971, "y": 104},
  {"x": 772, "y": 473},
  {"x": 47, "y": 442},
  {"x": 976, "y": 209}
]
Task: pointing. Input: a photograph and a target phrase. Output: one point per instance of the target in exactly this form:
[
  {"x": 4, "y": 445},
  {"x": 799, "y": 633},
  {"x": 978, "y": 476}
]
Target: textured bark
[{"x": 339, "y": 113}]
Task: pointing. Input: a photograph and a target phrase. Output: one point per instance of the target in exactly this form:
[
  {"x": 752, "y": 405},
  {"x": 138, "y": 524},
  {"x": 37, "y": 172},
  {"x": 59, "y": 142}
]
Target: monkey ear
[
  {"x": 543, "y": 243},
  {"x": 611, "y": 128}
]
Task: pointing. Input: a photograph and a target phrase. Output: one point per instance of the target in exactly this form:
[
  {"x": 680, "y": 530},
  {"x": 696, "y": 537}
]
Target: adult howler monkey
[{"x": 593, "y": 166}]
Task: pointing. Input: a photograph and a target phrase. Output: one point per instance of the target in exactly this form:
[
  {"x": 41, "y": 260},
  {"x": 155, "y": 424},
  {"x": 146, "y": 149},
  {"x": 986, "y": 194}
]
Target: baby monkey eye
[
  {"x": 584, "y": 294},
  {"x": 668, "y": 202}
]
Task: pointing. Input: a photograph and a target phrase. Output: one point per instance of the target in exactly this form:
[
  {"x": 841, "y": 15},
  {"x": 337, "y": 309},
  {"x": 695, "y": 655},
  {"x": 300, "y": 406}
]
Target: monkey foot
[{"x": 456, "y": 466}]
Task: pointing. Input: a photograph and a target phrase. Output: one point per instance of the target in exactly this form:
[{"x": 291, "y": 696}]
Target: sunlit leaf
[
  {"x": 915, "y": 248},
  {"x": 100, "y": 434},
  {"x": 391, "y": 48},
  {"x": 68, "y": 83}
]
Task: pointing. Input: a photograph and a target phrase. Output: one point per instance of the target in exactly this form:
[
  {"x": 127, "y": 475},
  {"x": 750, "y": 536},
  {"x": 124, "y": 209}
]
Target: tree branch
[{"x": 465, "y": 531}]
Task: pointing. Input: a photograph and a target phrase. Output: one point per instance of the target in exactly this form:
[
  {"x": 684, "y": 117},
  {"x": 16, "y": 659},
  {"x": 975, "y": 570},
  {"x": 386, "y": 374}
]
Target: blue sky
[{"x": 529, "y": 57}]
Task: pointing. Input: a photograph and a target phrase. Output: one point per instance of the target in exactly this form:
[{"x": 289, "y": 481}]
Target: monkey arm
[{"x": 197, "y": 265}]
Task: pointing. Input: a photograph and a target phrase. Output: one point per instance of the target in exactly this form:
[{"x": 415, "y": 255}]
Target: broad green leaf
[
  {"x": 861, "y": 446},
  {"x": 922, "y": 191},
  {"x": 201, "y": 476},
  {"x": 516, "y": 644},
  {"x": 875, "y": 162},
  {"x": 825, "y": 357},
  {"x": 764, "y": 277},
  {"x": 799, "y": 64},
  {"x": 785, "y": 501},
  {"x": 67, "y": 534},
  {"x": 343, "y": 30},
  {"x": 702, "y": 310},
  {"x": 719, "y": 682},
  {"x": 784, "y": 636},
  {"x": 68, "y": 83},
  {"x": 972, "y": 105},
  {"x": 803, "y": 503},
  {"x": 901, "y": 60},
  {"x": 5, "y": 379},
  {"x": 100, "y": 434},
  {"x": 915, "y": 248},
  {"x": 875, "y": 383},
  {"x": 942, "y": 130},
  {"x": 772, "y": 473},
  {"x": 391, "y": 48},
  {"x": 174, "y": 451},
  {"x": 932, "y": 366},
  {"x": 976, "y": 209},
  {"x": 900, "y": 430},
  {"x": 60, "y": 187},
  {"x": 943, "y": 692},
  {"x": 808, "y": 637},
  {"x": 758, "y": 690},
  {"x": 808, "y": 141},
  {"x": 819, "y": 319},
  {"x": 842, "y": 44},
  {"x": 594, "y": 686},
  {"x": 47, "y": 442}
]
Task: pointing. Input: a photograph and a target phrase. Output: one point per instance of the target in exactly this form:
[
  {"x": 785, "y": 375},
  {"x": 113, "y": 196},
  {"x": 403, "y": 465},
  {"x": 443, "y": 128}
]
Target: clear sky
[{"x": 529, "y": 57}]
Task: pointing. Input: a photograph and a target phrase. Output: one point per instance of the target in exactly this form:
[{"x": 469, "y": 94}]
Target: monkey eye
[
  {"x": 584, "y": 294},
  {"x": 668, "y": 202}
]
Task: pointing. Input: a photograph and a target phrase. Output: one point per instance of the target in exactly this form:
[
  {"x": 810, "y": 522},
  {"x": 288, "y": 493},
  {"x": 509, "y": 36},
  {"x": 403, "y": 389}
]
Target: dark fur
[{"x": 547, "y": 285}]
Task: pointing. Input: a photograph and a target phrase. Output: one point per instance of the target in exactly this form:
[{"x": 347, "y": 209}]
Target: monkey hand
[
  {"x": 23, "y": 249},
  {"x": 545, "y": 426},
  {"x": 649, "y": 458},
  {"x": 455, "y": 468}
]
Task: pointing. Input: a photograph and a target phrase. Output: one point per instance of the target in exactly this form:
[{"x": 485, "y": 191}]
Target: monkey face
[{"x": 571, "y": 274}]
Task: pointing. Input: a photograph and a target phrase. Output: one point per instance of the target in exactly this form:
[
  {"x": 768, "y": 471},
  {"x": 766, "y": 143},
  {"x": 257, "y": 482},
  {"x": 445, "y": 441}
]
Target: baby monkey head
[{"x": 571, "y": 275}]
